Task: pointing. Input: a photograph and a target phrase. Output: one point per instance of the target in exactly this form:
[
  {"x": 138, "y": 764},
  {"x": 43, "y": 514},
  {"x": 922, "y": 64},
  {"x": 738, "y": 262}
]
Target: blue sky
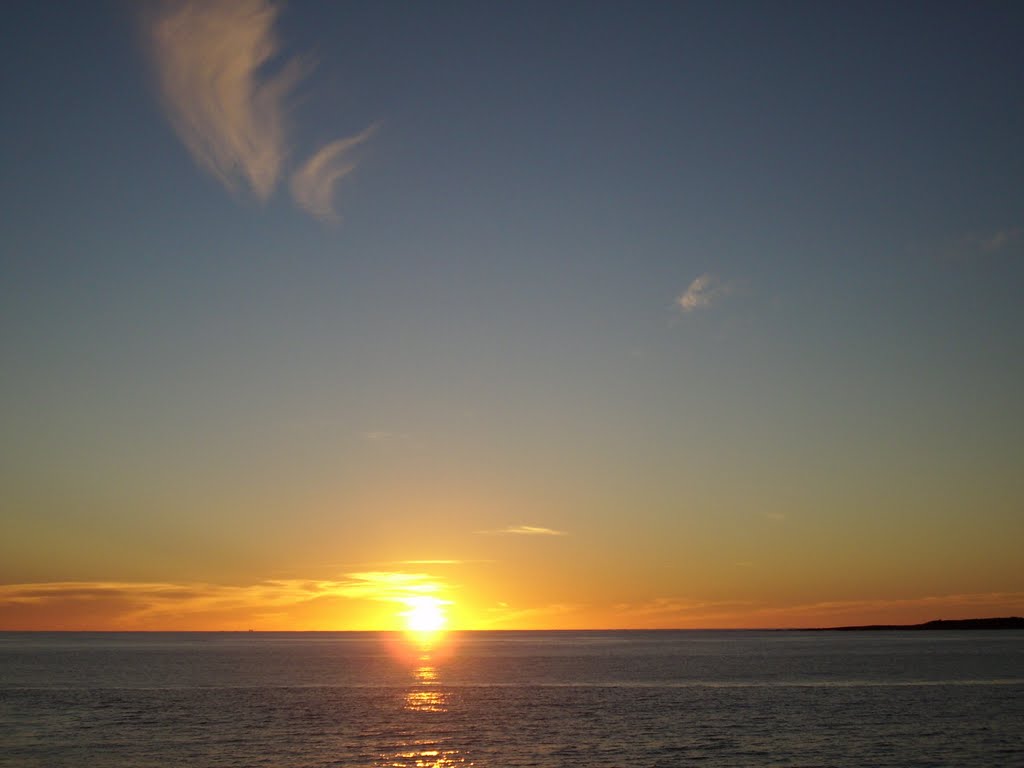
[{"x": 731, "y": 290}]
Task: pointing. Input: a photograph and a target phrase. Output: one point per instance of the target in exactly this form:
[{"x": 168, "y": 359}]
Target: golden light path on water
[
  {"x": 421, "y": 648},
  {"x": 426, "y": 694}
]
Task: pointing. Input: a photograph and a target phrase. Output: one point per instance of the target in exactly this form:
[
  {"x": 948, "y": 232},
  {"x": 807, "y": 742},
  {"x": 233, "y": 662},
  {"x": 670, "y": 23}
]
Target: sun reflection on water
[
  {"x": 425, "y": 700},
  {"x": 426, "y": 695},
  {"x": 425, "y": 756},
  {"x": 427, "y": 674}
]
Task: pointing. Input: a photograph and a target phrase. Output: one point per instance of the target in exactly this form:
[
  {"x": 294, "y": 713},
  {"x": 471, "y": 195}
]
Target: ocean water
[{"x": 502, "y": 699}]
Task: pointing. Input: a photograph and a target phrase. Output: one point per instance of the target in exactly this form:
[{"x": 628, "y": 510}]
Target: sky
[{"x": 571, "y": 315}]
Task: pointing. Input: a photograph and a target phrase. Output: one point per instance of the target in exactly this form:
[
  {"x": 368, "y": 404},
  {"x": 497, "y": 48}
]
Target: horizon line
[{"x": 461, "y": 631}]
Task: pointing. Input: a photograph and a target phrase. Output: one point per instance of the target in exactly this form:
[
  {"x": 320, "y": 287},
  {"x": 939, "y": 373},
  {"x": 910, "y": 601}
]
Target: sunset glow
[{"x": 431, "y": 317}]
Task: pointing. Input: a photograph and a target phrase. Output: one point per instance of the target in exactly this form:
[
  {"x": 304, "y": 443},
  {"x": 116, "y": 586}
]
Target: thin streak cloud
[
  {"x": 525, "y": 530},
  {"x": 313, "y": 184},
  {"x": 703, "y": 292},
  {"x": 210, "y": 59},
  {"x": 437, "y": 562},
  {"x": 386, "y": 586},
  {"x": 383, "y": 437},
  {"x": 673, "y": 606},
  {"x": 503, "y": 614}
]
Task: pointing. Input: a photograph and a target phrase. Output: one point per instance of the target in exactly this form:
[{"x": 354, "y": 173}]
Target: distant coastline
[{"x": 1005, "y": 622}]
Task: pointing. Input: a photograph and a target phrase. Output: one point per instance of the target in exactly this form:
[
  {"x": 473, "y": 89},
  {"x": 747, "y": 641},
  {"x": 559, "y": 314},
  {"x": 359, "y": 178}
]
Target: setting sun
[{"x": 425, "y": 614}]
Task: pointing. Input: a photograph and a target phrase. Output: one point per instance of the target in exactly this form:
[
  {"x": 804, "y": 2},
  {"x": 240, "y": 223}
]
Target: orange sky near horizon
[{"x": 375, "y": 602}]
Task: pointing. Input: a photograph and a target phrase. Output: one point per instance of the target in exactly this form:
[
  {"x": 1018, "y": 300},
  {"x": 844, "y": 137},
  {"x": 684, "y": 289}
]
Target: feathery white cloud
[
  {"x": 703, "y": 292},
  {"x": 228, "y": 102},
  {"x": 210, "y": 59},
  {"x": 313, "y": 184}
]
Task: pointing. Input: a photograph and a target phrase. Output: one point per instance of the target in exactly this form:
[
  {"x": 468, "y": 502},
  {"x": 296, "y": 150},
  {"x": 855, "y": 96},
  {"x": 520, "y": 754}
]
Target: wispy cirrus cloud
[
  {"x": 703, "y": 292},
  {"x": 524, "y": 530},
  {"x": 313, "y": 184},
  {"x": 227, "y": 98}
]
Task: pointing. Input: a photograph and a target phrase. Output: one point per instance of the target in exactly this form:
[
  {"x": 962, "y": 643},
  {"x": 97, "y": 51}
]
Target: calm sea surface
[{"x": 498, "y": 699}]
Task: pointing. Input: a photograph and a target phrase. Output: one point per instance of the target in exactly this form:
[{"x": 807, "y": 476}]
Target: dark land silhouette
[{"x": 1005, "y": 622}]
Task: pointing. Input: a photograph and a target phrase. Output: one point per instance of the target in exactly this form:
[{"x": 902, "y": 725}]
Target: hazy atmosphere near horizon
[{"x": 318, "y": 316}]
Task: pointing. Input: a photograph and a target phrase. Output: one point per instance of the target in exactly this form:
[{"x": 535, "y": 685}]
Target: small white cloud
[
  {"x": 1000, "y": 240},
  {"x": 313, "y": 184},
  {"x": 703, "y": 292},
  {"x": 525, "y": 530},
  {"x": 980, "y": 246}
]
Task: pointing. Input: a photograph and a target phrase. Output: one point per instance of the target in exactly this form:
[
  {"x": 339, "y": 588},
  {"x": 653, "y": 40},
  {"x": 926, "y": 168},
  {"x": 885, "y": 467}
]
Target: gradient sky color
[{"x": 567, "y": 315}]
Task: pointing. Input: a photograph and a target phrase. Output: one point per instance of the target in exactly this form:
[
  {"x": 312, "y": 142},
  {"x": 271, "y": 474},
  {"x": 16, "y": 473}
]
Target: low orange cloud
[
  {"x": 273, "y": 604},
  {"x": 684, "y": 613},
  {"x": 368, "y": 600}
]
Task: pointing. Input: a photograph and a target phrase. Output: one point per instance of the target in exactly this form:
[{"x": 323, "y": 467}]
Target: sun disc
[{"x": 425, "y": 614}]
